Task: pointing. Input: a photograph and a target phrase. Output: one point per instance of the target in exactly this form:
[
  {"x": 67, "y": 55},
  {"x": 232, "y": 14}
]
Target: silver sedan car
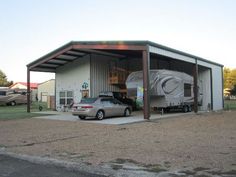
[{"x": 100, "y": 107}]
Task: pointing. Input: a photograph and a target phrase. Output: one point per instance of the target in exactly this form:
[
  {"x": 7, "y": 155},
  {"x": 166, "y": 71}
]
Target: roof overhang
[
  {"x": 75, "y": 50},
  {"x": 120, "y": 49}
]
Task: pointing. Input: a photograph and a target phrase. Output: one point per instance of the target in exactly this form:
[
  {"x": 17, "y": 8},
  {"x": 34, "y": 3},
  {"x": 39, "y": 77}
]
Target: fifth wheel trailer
[
  {"x": 168, "y": 89},
  {"x": 12, "y": 97}
]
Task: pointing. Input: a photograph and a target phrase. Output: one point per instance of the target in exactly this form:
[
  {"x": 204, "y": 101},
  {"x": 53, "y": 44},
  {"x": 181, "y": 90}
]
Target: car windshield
[{"x": 88, "y": 100}]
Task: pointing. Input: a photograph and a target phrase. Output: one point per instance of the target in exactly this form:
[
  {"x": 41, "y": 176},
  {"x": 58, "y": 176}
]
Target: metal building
[{"x": 84, "y": 68}]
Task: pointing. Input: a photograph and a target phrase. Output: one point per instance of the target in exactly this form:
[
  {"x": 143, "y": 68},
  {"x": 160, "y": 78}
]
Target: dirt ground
[{"x": 202, "y": 141}]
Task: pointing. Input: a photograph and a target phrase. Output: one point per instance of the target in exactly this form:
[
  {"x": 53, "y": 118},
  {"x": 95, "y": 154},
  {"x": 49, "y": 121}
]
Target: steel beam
[
  {"x": 109, "y": 46},
  {"x": 146, "y": 68},
  {"x": 195, "y": 86},
  {"x": 92, "y": 51},
  {"x": 28, "y": 89}
]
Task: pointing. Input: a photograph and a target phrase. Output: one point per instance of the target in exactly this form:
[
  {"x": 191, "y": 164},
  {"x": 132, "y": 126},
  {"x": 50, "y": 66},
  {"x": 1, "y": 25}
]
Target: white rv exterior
[{"x": 168, "y": 89}]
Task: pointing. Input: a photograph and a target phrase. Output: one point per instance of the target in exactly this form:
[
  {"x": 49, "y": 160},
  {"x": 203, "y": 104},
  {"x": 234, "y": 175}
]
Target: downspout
[
  {"x": 55, "y": 93},
  {"x": 90, "y": 77},
  {"x": 222, "y": 77},
  {"x": 212, "y": 104},
  {"x": 195, "y": 86}
]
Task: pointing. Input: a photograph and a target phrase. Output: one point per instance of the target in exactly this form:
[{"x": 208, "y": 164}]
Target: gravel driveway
[{"x": 191, "y": 143}]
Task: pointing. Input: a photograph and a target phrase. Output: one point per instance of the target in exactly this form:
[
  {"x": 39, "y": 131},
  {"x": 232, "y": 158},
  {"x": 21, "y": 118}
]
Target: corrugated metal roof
[{"x": 76, "y": 49}]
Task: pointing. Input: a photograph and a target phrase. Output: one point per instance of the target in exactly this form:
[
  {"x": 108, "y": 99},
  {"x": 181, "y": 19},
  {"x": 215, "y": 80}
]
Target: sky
[{"x": 30, "y": 29}]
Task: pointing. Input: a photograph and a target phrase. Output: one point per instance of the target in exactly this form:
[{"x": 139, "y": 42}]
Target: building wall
[
  {"x": 99, "y": 78},
  {"x": 46, "y": 89},
  {"x": 91, "y": 69},
  {"x": 204, "y": 76},
  {"x": 71, "y": 77},
  {"x": 217, "y": 84}
]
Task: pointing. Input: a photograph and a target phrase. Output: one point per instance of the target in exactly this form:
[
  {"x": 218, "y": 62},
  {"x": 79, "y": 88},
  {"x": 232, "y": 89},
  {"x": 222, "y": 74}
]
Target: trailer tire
[
  {"x": 185, "y": 108},
  {"x": 167, "y": 110},
  {"x": 189, "y": 108}
]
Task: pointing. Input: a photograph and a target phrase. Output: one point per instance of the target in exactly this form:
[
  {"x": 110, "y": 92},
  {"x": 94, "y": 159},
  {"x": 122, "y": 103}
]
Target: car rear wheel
[
  {"x": 100, "y": 115},
  {"x": 82, "y": 117},
  {"x": 127, "y": 112}
]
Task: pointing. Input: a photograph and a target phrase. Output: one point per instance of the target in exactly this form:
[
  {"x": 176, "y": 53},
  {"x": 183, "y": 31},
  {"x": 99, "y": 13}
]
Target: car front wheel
[{"x": 100, "y": 115}]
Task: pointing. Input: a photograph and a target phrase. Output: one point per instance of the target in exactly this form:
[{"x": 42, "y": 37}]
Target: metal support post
[
  {"x": 28, "y": 89},
  {"x": 195, "y": 87},
  {"x": 146, "y": 99}
]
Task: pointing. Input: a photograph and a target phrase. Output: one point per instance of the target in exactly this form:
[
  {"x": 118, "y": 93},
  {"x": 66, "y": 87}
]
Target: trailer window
[
  {"x": 3, "y": 93},
  {"x": 187, "y": 90}
]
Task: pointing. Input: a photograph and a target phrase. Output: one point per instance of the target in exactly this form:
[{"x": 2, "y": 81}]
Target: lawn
[
  {"x": 20, "y": 111},
  {"x": 230, "y": 105}
]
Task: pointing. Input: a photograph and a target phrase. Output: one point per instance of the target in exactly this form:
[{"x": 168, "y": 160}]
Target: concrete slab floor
[{"x": 136, "y": 116}]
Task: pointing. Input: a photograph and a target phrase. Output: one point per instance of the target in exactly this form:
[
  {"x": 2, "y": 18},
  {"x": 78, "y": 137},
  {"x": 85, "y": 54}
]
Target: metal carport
[{"x": 120, "y": 49}]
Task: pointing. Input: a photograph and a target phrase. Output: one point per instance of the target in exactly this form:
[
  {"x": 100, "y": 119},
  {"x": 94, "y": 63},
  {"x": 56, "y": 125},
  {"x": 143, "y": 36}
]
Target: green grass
[
  {"x": 230, "y": 105},
  {"x": 20, "y": 111}
]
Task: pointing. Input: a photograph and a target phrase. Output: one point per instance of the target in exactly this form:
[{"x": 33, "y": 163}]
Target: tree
[
  {"x": 3, "y": 80},
  {"x": 233, "y": 91},
  {"x": 226, "y": 77},
  {"x": 229, "y": 78},
  {"x": 232, "y": 78}
]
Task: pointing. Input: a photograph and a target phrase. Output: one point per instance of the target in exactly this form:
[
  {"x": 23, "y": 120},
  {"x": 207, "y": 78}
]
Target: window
[
  {"x": 66, "y": 97},
  {"x": 187, "y": 90}
]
